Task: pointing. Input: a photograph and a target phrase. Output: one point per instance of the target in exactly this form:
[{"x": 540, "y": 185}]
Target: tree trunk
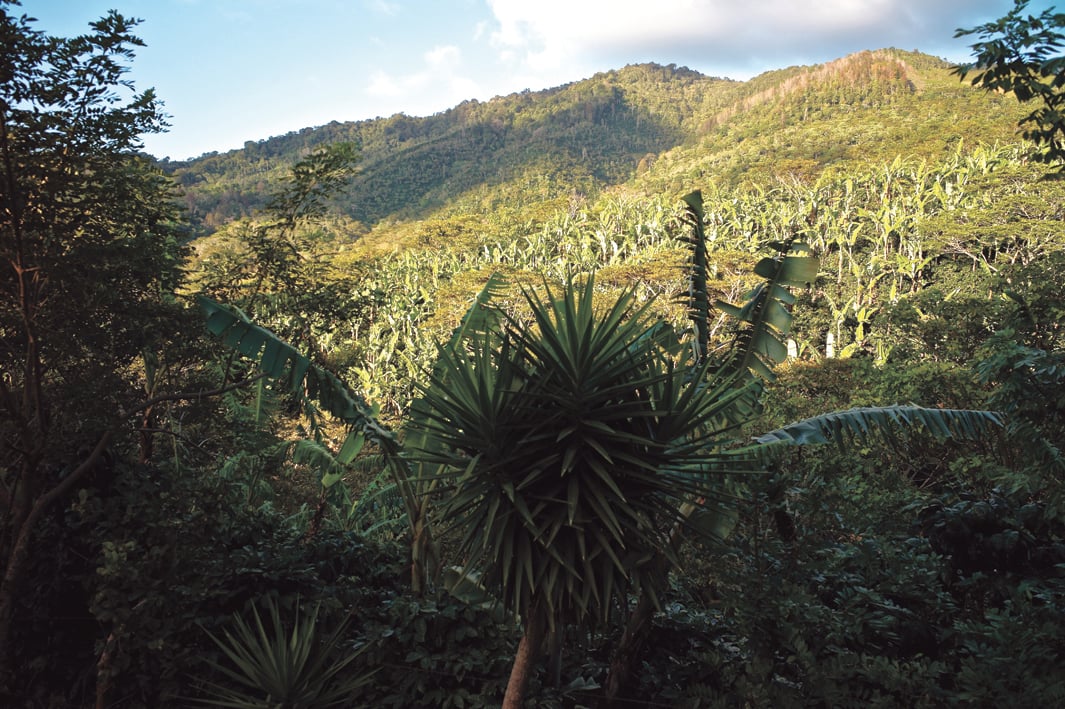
[
  {"x": 147, "y": 440},
  {"x": 638, "y": 628},
  {"x": 623, "y": 662},
  {"x": 20, "y": 531},
  {"x": 524, "y": 661}
]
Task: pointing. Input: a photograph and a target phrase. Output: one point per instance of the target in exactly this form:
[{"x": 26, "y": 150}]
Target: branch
[
  {"x": 174, "y": 434},
  {"x": 67, "y": 484},
  {"x": 190, "y": 396}
]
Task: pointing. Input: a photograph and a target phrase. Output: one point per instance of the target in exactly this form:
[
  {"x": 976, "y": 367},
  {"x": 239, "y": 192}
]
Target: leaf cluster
[{"x": 1021, "y": 54}]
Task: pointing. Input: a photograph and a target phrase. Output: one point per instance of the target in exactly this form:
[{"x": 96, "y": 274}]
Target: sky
[{"x": 230, "y": 71}]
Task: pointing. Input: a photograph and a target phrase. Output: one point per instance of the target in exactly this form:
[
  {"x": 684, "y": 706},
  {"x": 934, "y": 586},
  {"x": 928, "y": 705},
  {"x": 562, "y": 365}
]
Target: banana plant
[
  {"x": 318, "y": 389},
  {"x": 282, "y": 363},
  {"x": 882, "y": 424}
]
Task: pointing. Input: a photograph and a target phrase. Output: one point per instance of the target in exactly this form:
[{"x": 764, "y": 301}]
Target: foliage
[
  {"x": 1021, "y": 54},
  {"x": 273, "y": 267},
  {"x": 293, "y": 668},
  {"x": 564, "y": 441},
  {"x": 917, "y": 605},
  {"x": 73, "y": 193},
  {"x": 173, "y": 553},
  {"x": 282, "y": 362},
  {"x": 436, "y": 651},
  {"x": 1030, "y": 389},
  {"x": 925, "y": 573}
]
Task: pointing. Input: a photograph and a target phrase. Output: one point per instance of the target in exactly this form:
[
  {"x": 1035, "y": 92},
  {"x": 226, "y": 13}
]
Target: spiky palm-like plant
[
  {"x": 570, "y": 444},
  {"x": 274, "y": 666},
  {"x": 566, "y": 446}
]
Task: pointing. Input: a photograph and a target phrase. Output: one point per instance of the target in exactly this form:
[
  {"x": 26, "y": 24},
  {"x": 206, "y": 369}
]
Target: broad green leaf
[
  {"x": 868, "y": 423},
  {"x": 352, "y": 446}
]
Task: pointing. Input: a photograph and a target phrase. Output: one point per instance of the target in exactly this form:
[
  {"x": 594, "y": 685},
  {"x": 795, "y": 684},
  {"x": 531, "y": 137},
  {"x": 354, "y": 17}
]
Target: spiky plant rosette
[{"x": 567, "y": 444}]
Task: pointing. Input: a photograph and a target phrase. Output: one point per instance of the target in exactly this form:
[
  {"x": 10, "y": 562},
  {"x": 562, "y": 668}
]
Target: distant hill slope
[
  {"x": 866, "y": 107},
  {"x": 597, "y": 129},
  {"x": 667, "y": 127}
]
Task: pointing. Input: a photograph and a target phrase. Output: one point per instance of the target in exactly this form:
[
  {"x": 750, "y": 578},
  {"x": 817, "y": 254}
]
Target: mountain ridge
[{"x": 614, "y": 128}]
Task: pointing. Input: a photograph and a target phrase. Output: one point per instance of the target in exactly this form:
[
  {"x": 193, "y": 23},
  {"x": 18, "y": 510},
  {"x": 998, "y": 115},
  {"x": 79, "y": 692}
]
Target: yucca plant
[
  {"x": 566, "y": 447},
  {"x": 572, "y": 446},
  {"x": 272, "y": 666}
]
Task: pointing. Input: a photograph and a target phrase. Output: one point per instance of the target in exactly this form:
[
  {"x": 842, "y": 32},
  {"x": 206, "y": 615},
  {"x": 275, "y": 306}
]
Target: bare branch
[{"x": 191, "y": 395}]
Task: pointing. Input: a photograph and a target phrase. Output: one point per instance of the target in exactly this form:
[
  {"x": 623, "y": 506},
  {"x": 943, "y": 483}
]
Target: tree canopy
[
  {"x": 89, "y": 254},
  {"x": 1021, "y": 54}
]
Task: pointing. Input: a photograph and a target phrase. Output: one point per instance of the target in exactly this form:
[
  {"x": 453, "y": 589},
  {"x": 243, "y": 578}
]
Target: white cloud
[
  {"x": 384, "y": 7},
  {"x": 438, "y": 85},
  {"x": 384, "y": 85},
  {"x": 443, "y": 58},
  {"x": 548, "y": 35}
]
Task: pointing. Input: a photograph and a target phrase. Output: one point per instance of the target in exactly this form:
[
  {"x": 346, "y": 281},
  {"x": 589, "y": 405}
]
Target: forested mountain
[
  {"x": 593, "y": 131},
  {"x": 670, "y": 126}
]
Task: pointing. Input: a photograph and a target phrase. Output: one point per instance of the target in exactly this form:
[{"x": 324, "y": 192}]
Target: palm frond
[
  {"x": 881, "y": 423},
  {"x": 281, "y": 362}
]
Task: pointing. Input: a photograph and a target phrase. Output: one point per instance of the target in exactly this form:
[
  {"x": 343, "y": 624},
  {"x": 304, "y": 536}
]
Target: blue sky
[{"x": 229, "y": 71}]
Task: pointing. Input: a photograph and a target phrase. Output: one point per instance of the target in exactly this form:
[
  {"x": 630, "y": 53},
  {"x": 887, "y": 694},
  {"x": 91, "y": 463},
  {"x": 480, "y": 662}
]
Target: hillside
[
  {"x": 879, "y": 160},
  {"x": 592, "y": 131},
  {"x": 670, "y": 126},
  {"x": 866, "y": 107}
]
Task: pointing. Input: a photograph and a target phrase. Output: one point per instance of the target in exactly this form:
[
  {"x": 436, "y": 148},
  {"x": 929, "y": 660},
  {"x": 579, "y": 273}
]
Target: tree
[
  {"x": 1021, "y": 54},
  {"x": 88, "y": 257},
  {"x": 574, "y": 446}
]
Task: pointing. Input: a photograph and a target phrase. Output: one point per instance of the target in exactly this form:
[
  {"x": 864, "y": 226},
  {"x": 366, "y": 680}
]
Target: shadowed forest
[{"x": 650, "y": 390}]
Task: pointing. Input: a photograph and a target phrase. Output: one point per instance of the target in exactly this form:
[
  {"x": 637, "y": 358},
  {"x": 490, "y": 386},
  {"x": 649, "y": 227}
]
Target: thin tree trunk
[
  {"x": 103, "y": 672},
  {"x": 146, "y": 433},
  {"x": 315, "y": 524},
  {"x": 21, "y": 535},
  {"x": 637, "y": 629},
  {"x": 525, "y": 661}
]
